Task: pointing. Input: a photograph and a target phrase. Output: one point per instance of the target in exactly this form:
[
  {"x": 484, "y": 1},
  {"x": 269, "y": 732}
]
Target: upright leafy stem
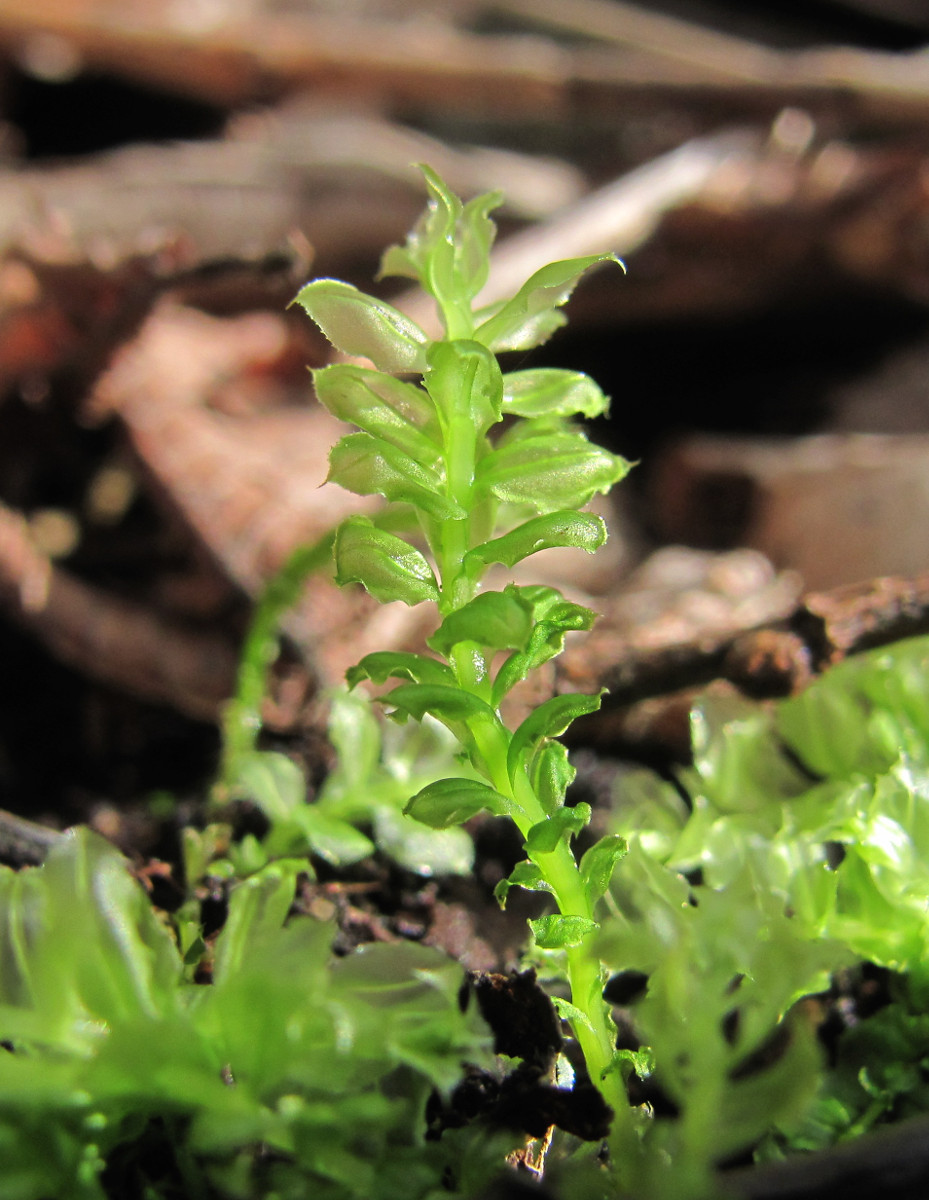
[{"x": 484, "y": 493}]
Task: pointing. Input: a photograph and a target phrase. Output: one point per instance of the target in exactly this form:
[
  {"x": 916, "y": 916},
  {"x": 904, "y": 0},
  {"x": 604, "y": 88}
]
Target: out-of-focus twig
[
  {"x": 673, "y": 39},
  {"x": 109, "y": 639},
  {"x": 423, "y": 61}
]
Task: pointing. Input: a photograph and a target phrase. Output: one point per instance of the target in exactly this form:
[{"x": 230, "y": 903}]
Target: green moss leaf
[
  {"x": 449, "y": 704},
  {"x": 448, "y": 249},
  {"x": 581, "y": 531},
  {"x": 370, "y": 466},
  {"x": 495, "y": 620},
  {"x": 80, "y": 948},
  {"x": 531, "y": 316},
  {"x": 426, "y": 852},
  {"x": 563, "y": 824},
  {"x": 552, "y": 392},
  {"x": 396, "y": 412},
  {"x": 257, "y": 908},
  {"x": 476, "y": 238},
  {"x": 599, "y": 862},
  {"x": 387, "y": 566},
  {"x": 274, "y": 782},
  {"x": 549, "y": 720},
  {"x": 570, "y": 1012},
  {"x": 359, "y": 324},
  {"x": 552, "y": 774},
  {"x": 549, "y": 470},
  {"x": 399, "y": 664},
  {"x": 453, "y": 801},
  {"x": 555, "y": 618},
  {"x": 525, "y": 874},
  {"x": 464, "y": 380},
  {"x": 314, "y": 831},
  {"x": 554, "y": 932}
]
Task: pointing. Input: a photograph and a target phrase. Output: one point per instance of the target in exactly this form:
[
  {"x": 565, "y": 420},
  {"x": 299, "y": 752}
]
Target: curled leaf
[
  {"x": 450, "y": 802},
  {"x": 398, "y": 412},
  {"x": 399, "y": 664},
  {"x": 563, "y": 823},
  {"x": 495, "y": 620},
  {"x": 448, "y": 703},
  {"x": 531, "y": 316},
  {"x": 552, "y": 774},
  {"x": 525, "y": 874},
  {"x": 555, "y": 932},
  {"x": 598, "y": 863},
  {"x": 552, "y": 392},
  {"x": 548, "y": 720},
  {"x": 387, "y": 566},
  {"x": 581, "y": 531},
  {"x": 356, "y": 323}
]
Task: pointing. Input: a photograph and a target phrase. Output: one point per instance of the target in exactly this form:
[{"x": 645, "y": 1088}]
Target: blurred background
[{"x": 171, "y": 171}]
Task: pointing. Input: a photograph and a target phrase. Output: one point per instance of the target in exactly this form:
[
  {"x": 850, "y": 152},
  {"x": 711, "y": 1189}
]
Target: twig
[
  {"x": 417, "y": 66},
  {"x": 705, "y": 51},
  {"x": 651, "y": 691},
  {"x": 109, "y": 639}
]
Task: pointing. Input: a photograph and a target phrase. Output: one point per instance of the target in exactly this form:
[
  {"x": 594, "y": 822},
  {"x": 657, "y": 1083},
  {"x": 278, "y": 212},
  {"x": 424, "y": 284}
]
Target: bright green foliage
[
  {"x": 801, "y": 874},
  {"x": 485, "y": 491},
  {"x": 801, "y": 851},
  {"x": 367, "y": 789},
  {"x": 428, "y": 446},
  {"x": 375, "y": 773},
  {"x": 293, "y": 1074}
]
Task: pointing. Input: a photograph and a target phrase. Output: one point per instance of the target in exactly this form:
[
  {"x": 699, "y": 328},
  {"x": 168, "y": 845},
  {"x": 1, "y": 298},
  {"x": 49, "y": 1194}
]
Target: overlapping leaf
[
  {"x": 396, "y": 412},
  {"x": 549, "y": 471},
  {"x": 532, "y": 315},
  {"x": 387, "y": 566},
  {"x": 359, "y": 324},
  {"x": 552, "y": 392}
]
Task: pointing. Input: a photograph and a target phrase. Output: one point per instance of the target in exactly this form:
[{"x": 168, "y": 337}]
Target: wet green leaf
[
  {"x": 525, "y": 874},
  {"x": 399, "y": 664},
  {"x": 552, "y": 774},
  {"x": 554, "y": 932},
  {"x": 453, "y": 801},
  {"x": 370, "y": 466},
  {"x": 464, "y": 380},
  {"x": 550, "y": 471},
  {"x": 562, "y": 824},
  {"x": 388, "y": 567},
  {"x": 426, "y": 852},
  {"x": 359, "y": 324},
  {"x": 581, "y": 531},
  {"x": 396, "y": 412},
  {"x": 550, "y": 719},
  {"x": 448, "y": 704},
  {"x": 495, "y": 620},
  {"x": 552, "y": 392},
  {"x": 448, "y": 249},
  {"x": 599, "y": 862},
  {"x": 532, "y": 315}
]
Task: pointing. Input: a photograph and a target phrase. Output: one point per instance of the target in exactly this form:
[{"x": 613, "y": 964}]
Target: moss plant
[{"x": 492, "y": 467}]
